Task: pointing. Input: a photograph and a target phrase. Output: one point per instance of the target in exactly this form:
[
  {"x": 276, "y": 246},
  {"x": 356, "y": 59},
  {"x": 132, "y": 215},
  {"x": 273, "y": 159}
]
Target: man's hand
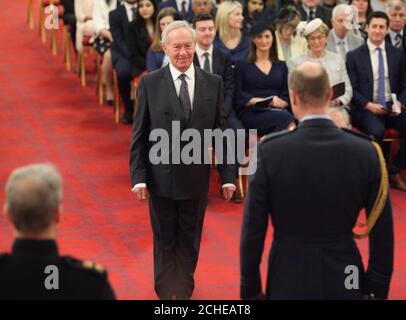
[
  {"x": 141, "y": 193},
  {"x": 228, "y": 192},
  {"x": 376, "y": 108}
]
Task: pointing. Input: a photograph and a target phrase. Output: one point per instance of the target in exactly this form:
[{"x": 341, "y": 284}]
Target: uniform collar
[
  {"x": 28, "y": 247},
  {"x": 190, "y": 72}
]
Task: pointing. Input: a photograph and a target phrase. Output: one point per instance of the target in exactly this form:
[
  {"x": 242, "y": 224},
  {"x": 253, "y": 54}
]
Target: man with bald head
[{"x": 313, "y": 182}]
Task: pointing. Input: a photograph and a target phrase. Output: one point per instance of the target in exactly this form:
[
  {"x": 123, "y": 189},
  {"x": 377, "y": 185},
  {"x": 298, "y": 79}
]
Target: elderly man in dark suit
[
  {"x": 314, "y": 255},
  {"x": 170, "y": 101},
  {"x": 34, "y": 269},
  {"x": 396, "y": 12},
  {"x": 212, "y": 59},
  {"x": 377, "y": 74},
  {"x": 119, "y": 20}
]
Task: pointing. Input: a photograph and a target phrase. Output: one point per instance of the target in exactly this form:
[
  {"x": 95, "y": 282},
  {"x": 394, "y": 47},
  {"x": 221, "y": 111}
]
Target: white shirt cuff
[
  {"x": 139, "y": 185},
  {"x": 228, "y": 185}
]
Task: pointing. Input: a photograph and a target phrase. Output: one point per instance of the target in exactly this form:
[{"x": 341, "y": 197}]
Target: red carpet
[{"x": 46, "y": 116}]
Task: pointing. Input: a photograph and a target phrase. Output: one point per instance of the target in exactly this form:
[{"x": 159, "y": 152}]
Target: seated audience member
[
  {"x": 203, "y": 6},
  {"x": 69, "y": 18},
  {"x": 397, "y": 18},
  {"x": 212, "y": 59},
  {"x": 252, "y": 12},
  {"x": 316, "y": 33},
  {"x": 119, "y": 22},
  {"x": 155, "y": 56},
  {"x": 379, "y": 5},
  {"x": 342, "y": 37},
  {"x": 311, "y": 9},
  {"x": 330, "y": 4},
  {"x": 183, "y": 7},
  {"x": 140, "y": 35},
  {"x": 229, "y": 37},
  {"x": 84, "y": 21},
  {"x": 34, "y": 269},
  {"x": 364, "y": 10},
  {"x": 101, "y": 10},
  {"x": 289, "y": 42},
  {"x": 262, "y": 76},
  {"x": 377, "y": 73}
]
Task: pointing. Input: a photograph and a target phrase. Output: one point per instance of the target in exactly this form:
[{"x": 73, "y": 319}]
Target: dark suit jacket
[
  {"x": 172, "y": 3},
  {"x": 359, "y": 69},
  {"x": 313, "y": 182},
  {"x": 118, "y": 21},
  {"x": 22, "y": 274},
  {"x": 138, "y": 44},
  {"x": 321, "y": 12},
  {"x": 157, "y": 107},
  {"x": 222, "y": 66}
]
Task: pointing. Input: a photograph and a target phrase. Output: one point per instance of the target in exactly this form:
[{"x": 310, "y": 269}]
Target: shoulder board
[
  {"x": 3, "y": 257},
  {"x": 86, "y": 265},
  {"x": 359, "y": 134},
  {"x": 272, "y": 136}
]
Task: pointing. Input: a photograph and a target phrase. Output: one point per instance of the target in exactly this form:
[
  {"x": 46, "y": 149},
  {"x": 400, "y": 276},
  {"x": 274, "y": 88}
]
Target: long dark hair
[
  {"x": 273, "y": 53},
  {"x": 140, "y": 20}
]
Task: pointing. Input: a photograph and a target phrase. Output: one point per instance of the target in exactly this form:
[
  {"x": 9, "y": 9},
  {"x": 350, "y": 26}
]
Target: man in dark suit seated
[
  {"x": 396, "y": 12},
  {"x": 171, "y": 101},
  {"x": 119, "y": 20},
  {"x": 183, "y": 7},
  {"x": 378, "y": 79},
  {"x": 34, "y": 269},
  {"x": 311, "y": 9},
  {"x": 314, "y": 254},
  {"x": 212, "y": 59}
]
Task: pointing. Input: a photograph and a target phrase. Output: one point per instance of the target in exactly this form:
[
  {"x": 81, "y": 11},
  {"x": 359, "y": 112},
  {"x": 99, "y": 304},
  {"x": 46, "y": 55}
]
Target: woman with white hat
[{"x": 316, "y": 33}]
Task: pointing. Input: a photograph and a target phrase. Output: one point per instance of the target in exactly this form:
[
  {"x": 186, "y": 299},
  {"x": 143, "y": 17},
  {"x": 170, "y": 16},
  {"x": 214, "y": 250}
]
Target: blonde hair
[
  {"x": 222, "y": 20},
  {"x": 323, "y": 29}
]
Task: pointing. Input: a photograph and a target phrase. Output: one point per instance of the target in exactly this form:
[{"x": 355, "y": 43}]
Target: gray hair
[
  {"x": 395, "y": 4},
  {"x": 178, "y": 24},
  {"x": 33, "y": 194},
  {"x": 342, "y": 8}
]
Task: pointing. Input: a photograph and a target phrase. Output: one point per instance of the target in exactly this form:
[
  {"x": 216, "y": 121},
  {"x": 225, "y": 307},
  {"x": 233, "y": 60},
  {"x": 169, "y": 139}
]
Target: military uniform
[
  {"x": 313, "y": 182},
  {"x": 23, "y": 274}
]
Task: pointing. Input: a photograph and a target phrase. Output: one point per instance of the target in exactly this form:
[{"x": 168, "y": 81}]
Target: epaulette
[
  {"x": 3, "y": 257},
  {"x": 87, "y": 265},
  {"x": 359, "y": 134},
  {"x": 272, "y": 136}
]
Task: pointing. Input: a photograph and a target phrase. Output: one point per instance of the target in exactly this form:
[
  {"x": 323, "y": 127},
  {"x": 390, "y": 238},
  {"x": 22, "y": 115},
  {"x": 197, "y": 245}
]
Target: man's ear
[{"x": 330, "y": 94}]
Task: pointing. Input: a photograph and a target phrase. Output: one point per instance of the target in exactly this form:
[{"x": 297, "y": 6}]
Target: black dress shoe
[
  {"x": 126, "y": 120},
  {"x": 109, "y": 103},
  {"x": 236, "y": 198}
]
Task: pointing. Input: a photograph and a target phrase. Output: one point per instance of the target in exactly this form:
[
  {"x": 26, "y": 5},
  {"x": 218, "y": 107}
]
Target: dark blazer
[
  {"x": 118, "y": 21},
  {"x": 157, "y": 107},
  {"x": 222, "y": 66},
  {"x": 359, "y": 69},
  {"x": 172, "y": 3},
  {"x": 321, "y": 12},
  {"x": 22, "y": 274},
  {"x": 313, "y": 182},
  {"x": 138, "y": 44}
]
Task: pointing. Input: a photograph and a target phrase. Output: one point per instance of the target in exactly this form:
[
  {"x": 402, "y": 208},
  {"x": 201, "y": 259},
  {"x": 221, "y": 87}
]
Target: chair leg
[
  {"x": 53, "y": 42},
  {"x": 116, "y": 98},
  {"x": 99, "y": 83},
  {"x": 41, "y": 23},
  {"x": 82, "y": 69},
  {"x": 66, "y": 49},
  {"x": 240, "y": 183},
  {"x": 30, "y": 15}
]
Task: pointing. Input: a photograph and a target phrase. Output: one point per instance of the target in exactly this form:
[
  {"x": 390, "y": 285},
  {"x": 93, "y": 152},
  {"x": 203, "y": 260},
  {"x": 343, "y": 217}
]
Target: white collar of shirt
[
  {"x": 200, "y": 51},
  {"x": 128, "y": 8},
  {"x": 190, "y": 72},
  {"x": 307, "y": 9},
  {"x": 315, "y": 116},
  {"x": 337, "y": 40},
  {"x": 393, "y": 34},
  {"x": 373, "y": 47},
  {"x": 179, "y": 5}
]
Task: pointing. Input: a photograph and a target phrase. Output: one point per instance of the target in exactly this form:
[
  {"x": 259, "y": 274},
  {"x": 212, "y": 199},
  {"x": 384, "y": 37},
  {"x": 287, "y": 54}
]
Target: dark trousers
[
  {"x": 124, "y": 78},
  {"x": 70, "y": 20},
  {"x": 374, "y": 125},
  {"x": 177, "y": 229}
]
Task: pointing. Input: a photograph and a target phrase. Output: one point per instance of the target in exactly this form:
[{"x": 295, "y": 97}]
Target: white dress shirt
[
  {"x": 200, "y": 55},
  {"x": 337, "y": 41},
  {"x": 190, "y": 80},
  {"x": 179, "y": 5},
  {"x": 375, "y": 65},
  {"x": 101, "y": 14},
  {"x": 128, "y": 9},
  {"x": 393, "y": 34}
]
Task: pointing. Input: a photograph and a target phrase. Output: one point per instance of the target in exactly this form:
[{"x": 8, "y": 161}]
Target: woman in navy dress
[
  {"x": 263, "y": 75},
  {"x": 229, "y": 37}
]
